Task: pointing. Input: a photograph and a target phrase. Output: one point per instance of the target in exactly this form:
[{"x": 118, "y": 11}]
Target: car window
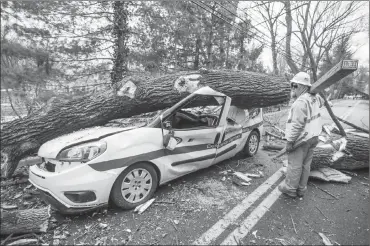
[{"x": 202, "y": 111}]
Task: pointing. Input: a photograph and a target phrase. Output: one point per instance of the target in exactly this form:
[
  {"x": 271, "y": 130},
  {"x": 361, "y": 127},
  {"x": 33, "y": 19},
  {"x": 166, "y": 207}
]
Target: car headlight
[{"x": 84, "y": 152}]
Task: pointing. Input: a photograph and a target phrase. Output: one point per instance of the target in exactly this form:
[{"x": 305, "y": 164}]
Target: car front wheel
[
  {"x": 134, "y": 186},
  {"x": 252, "y": 144}
]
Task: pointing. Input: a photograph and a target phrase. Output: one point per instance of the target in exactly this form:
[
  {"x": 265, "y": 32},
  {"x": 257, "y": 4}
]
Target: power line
[
  {"x": 254, "y": 26},
  {"x": 264, "y": 42}
]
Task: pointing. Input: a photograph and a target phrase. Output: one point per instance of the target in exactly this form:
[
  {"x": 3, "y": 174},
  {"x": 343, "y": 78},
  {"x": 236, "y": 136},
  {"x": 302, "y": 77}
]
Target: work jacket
[{"x": 304, "y": 120}]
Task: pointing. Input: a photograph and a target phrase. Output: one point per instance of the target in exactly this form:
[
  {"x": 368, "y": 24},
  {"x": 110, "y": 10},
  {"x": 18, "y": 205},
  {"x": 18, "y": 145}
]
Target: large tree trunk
[
  {"x": 25, "y": 221},
  {"x": 120, "y": 34},
  {"x": 358, "y": 146},
  {"x": 288, "y": 19},
  {"x": 23, "y": 137}
]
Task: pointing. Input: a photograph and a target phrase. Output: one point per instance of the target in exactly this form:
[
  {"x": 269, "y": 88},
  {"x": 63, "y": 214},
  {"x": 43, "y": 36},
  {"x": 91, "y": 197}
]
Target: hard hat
[{"x": 301, "y": 78}]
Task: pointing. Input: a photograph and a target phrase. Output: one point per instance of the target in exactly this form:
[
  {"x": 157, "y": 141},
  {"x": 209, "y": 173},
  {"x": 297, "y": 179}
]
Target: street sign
[
  {"x": 349, "y": 64},
  {"x": 338, "y": 72}
]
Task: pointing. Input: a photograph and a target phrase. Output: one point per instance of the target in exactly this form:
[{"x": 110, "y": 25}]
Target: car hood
[{"x": 51, "y": 148}]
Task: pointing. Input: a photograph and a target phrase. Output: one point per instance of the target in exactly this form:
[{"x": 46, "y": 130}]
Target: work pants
[{"x": 299, "y": 166}]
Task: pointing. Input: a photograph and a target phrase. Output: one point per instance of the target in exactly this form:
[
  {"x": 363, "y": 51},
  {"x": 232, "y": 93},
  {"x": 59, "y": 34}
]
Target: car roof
[{"x": 206, "y": 90}]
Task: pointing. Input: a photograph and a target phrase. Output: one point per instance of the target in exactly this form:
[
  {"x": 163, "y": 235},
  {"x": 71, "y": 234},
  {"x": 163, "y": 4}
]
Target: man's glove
[{"x": 289, "y": 147}]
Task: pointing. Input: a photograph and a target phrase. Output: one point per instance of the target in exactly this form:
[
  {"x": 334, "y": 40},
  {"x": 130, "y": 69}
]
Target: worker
[{"x": 303, "y": 128}]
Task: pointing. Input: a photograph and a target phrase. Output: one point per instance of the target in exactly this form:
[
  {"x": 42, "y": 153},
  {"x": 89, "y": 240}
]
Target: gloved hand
[{"x": 289, "y": 147}]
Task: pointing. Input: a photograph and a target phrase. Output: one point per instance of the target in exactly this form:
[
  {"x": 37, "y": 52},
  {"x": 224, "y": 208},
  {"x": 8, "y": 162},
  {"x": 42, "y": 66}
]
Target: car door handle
[{"x": 190, "y": 139}]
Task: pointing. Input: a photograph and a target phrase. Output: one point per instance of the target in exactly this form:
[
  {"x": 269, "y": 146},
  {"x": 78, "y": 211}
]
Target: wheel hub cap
[
  {"x": 136, "y": 185},
  {"x": 253, "y": 144}
]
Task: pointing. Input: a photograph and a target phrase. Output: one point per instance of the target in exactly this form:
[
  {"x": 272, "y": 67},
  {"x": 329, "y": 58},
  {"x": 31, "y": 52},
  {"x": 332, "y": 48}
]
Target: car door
[
  {"x": 231, "y": 138},
  {"x": 196, "y": 146}
]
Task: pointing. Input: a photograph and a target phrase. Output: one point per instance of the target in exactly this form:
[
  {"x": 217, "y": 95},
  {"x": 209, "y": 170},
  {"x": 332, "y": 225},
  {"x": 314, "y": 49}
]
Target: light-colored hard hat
[{"x": 301, "y": 78}]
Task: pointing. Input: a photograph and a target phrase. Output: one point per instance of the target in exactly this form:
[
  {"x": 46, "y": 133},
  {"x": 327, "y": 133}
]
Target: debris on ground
[
  {"x": 242, "y": 176},
  {"x": 259, "y": 175},
  {"x": 145, "y": 206},
  {"x": 255, "y": 233},
  {"x": 6, "y": 206},
  {"x": 24, "y": 241},
  {"x": 330, "y": 175},
  {"x": 325, "y": 239},
  {"x": 290, "y": 239},
  {"x": 236, "y": 180},
  {"x": 102, "y": 225}
]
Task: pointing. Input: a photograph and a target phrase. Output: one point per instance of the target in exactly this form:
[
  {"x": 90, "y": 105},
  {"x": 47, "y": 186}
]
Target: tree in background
[
  {"x": 120, "y": 35},
  {"x": 270, "y": 13},
  {"x": 320, "y": 25},
  {"x": 59, "y": 42}
]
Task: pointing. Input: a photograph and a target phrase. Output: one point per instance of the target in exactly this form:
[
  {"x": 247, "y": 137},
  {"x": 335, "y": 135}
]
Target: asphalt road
[
  {"x": 353, "y": 111},
  {"x": 206, "y": 207}
]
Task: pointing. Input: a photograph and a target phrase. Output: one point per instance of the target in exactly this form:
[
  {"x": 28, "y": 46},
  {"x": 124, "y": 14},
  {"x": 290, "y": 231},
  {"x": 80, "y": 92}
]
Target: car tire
[
  {"x": 252, "y": 144},
  {"x": 134, "y": 186}
]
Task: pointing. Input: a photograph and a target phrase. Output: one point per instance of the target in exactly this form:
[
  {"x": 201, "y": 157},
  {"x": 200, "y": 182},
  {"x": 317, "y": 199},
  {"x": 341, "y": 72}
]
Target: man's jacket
[{"x": 304, "y": 120}]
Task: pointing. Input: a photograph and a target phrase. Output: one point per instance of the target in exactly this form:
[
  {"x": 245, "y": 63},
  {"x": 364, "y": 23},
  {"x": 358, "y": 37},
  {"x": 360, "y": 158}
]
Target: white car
[{"x": 85, "y": 169}]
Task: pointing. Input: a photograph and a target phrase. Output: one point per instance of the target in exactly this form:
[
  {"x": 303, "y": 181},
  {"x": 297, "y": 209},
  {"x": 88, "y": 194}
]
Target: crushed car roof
[{"x": 206, "y": 90}]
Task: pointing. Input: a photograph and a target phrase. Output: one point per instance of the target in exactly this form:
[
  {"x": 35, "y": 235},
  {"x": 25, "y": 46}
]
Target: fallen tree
[
  {"x": 25, "y": 221},
  {"x": 23, "y": 137},
  {"x": 357, "y": 145},
  {"x": 325, "y": 155}
]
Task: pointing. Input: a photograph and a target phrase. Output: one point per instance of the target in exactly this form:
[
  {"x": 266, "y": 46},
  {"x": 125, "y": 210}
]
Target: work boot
[
  {"x": 286, "y": 192},
  {"x": 300, "y": 193}
]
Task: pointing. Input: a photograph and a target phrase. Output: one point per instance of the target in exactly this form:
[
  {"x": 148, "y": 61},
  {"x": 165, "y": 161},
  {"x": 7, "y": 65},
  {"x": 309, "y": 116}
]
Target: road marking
[
  {"x": 216, "y": 230},
  {"x": 239, "y": 233}
]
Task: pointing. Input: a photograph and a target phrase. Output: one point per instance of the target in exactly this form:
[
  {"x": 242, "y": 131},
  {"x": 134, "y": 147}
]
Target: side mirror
[{"x": 169, "y": 142}]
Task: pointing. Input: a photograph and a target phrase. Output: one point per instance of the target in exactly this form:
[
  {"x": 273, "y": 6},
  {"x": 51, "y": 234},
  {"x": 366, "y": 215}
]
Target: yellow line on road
[
  {"x": 212, "y": 233},
  {"x": 246, "y": 226}
]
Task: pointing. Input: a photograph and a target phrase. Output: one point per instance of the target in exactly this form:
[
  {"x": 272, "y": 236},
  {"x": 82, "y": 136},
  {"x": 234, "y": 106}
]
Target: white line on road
[
  {"x": 348, "y": 113},
  {"x": 239, "y": 233},
  {"x": 216, "y": 230}
]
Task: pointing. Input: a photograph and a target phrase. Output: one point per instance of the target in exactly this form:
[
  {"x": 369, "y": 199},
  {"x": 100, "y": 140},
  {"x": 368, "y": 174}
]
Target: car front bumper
[{"x": 82, "y": 178}]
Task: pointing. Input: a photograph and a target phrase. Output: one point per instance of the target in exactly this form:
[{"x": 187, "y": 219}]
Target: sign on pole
[{"x": 338, "y": 72}]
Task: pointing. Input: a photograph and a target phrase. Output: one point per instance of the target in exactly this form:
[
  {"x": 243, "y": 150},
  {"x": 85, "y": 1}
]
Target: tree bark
[
  {"x": 358, "y": 146},
  {"x": 25, "y": 221},
  {"x": 120, "y": 33},
  {"x": 198, "y": 43},
  {"x": 23, "y": 137},
  {"x": 288, "y": 19}
]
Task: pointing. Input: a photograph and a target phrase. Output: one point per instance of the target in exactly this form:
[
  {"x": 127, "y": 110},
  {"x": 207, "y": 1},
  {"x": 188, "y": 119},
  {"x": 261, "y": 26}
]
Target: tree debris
[
  {"x": 293, "y": 223},
  {"x": 25, "y": 221},
  {"x": 274, "y": 135},
  {"x": 260, "y": 175},
  {"x": 14, "y": 182},
  {"x": 327, "y": 192},
  {"x": 242, "y": 176},
  {"x": 5, "y": 206},
  {"x": 24, "y": 242},
  {"x": 145, "y": 206},
  {"x": 325, "y": 239},
  {"x": 329, "y": 174}
]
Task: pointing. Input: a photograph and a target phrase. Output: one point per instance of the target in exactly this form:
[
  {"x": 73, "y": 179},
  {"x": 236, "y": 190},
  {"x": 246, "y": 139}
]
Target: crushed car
[{"x": 85, "y": 170}]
